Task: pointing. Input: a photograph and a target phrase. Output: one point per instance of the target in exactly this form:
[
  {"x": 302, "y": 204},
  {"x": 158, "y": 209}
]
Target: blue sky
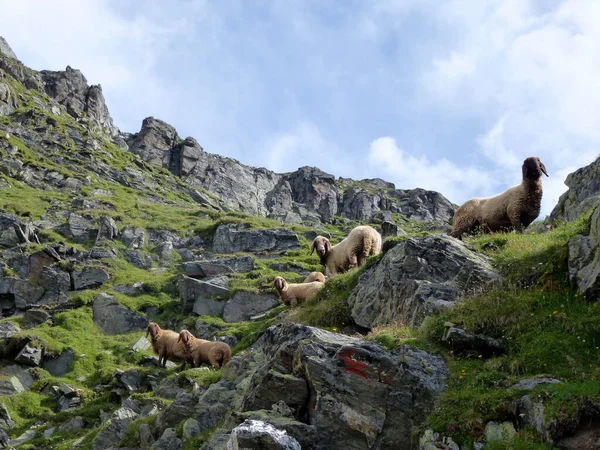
[{"x": 450, "y": 95}]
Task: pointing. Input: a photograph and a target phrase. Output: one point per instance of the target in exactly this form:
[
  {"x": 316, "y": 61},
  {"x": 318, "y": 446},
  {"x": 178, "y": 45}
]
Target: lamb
[
  {"x": 353, "y": 251},
  {"x": 292, "y": 294},
  {"x": 314, "y": 276},
  {"x": 166, "y": 345},
  {"x": 513, "y": 209},
  {"x": 215, "y": 353}
]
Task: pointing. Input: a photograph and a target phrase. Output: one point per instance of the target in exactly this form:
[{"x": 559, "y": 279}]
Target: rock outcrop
[
  {"x": 583, "y": 193},
  {"x": 416, "y": 278},
  {"x": 584, "y": 254}
]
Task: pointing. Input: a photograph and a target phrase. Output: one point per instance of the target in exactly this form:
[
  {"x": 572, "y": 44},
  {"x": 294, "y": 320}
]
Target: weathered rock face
[
  {"x": 220, "y": 266},
  {"x": 154, "y": 141},
  {"x": 418, "y": 277},
  {"x": 233, "y": 238},
  {"x": 255, "y": 434},
  {"x": 245, "y": 305},
  {"x": 356, "y": 394},
  {"x": 70, "y": 88},
  {"x": 584, "y": 254},
  {"x": 198, "y": 295},
  {"x": 583, "y": 193},
  {"x": 5, "y": 48},
  {"x": 113, "y": 318}
]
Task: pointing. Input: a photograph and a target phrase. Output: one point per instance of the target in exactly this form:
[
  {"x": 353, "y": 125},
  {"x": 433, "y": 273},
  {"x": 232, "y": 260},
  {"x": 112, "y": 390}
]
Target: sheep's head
[
  {"x": 279, "y": 284},
  {"x": 533, "y": 168},
  {"x": 322, "y": 246},
  {"x": 185, "y": 336},
  {"x": 153, "y": 329}
]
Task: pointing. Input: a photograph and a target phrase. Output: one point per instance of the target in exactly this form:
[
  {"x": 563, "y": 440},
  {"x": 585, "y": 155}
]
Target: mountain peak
[{"x": 5, "y": 48}]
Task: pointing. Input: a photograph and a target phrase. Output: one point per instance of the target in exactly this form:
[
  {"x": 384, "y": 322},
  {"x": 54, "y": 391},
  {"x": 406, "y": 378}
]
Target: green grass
[{"x": 547, "y": 329}]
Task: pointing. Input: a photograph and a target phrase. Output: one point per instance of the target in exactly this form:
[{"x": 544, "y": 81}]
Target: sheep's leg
[
  {"x": 514, "y": 216},
  {"x": 353, "y": 262},
  {"x": 293, "y": 303}
]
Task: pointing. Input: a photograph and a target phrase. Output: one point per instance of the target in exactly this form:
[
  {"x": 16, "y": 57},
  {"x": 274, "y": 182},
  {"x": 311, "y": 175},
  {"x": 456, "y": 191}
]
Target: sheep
[
  {"x": 314, "y": 276},
  {"x": 292, "y": 294},
  {"x": 215, "y": 353},
  {"x": 166, "y": 345},
  {"x": 353, "y": 251},
  {"x": 513, "y": 209}
]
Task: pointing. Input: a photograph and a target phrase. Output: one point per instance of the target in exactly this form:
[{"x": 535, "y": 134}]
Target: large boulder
[
  {"x": 583, "y": 193},
  {"x": 416, "y": 278},
  {"x": 233, "y": 238},
  {"x": 23, "y": 294},
  {"x": 258, "y": 435},
  {"x": 115, "y": 429},
  {"x": 89, "y": 277},
  {"x": 198, "y": 295},
  {"x": 584, "y": 254},
  {"x": 245, "y": 305},
  {"x": 354, "y": 392},
  {"x": 113, "y": 318}
]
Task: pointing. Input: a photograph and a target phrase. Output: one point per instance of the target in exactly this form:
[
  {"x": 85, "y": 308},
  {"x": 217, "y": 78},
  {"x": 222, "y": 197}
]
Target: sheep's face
[
  {"x": 533, "y": 168},
  {"x": 184, "y": 336},
  {"x": 321, "y": 245},
  {"x": 153, "y": 329},
  {"x": 279, "y": 284}
]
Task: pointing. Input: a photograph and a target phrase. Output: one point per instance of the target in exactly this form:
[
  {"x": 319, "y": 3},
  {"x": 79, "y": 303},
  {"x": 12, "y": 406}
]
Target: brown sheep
[
  {"x": 353, "y": 251},
  {"x": 315, "y": 276},
  {"x": 294, "y": 294},
  {"x": 166, "y": 345},
  {"x": 215, "y": 353},
  {"x": 514, "y": 209}
]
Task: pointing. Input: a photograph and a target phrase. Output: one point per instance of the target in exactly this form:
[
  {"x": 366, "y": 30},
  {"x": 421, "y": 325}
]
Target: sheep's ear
[
  {"x": 327, "y": 246},
  {"x": 542, "y": 167},
  {"x": 314, "y": 246}
]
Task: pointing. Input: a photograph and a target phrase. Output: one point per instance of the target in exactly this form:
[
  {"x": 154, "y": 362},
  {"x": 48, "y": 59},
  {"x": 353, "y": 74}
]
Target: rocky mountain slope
[{"x": 435, "y": 343}]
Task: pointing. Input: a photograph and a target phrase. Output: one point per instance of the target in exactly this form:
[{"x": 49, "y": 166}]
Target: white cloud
[{"x": 456, "y": 182}]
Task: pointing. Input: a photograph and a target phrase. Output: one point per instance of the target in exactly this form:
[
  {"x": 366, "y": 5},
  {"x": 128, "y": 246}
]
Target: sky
[{"x": 448, "y": 95}]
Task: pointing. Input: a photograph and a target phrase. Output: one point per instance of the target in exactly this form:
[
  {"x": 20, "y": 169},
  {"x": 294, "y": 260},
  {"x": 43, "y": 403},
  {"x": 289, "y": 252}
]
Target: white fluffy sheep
[
  {"x": 514, "y": 209},
  {"x": 292, "y": 294},
  {"x": 314, "y": 276},
  {"x": 166, "y": 345},
  {"x": 361, "y": 242},
  {"x": 215, "y": 353}
]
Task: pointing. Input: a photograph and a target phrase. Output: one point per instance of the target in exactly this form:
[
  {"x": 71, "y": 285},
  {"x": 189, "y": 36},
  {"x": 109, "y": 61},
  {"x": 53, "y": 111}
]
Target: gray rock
[
  {"x": 40, "y": 260},
  {"x": 103, "y": 253},
  {"x": 233, "y": 238},
  {"x": 6, "y": 422},
  {"x": 14, "y": 379},
  {"x": 113, "y": 318},
  {"x": 214, "y": 267},
  {"x": 7, "y": 101},
  {"x": 74, "y": 423},
  {"x": 191, "y": 428},
  {"x": 132, "y": 380},
  {"x": 146, "y": 437},
  {"x": 61, "y": 365},
  {"x": 175, "y": 413},
  {"x": 14, "y": 231},
  {"x": 587, "y": 437},
  {"x": 203, "y": 330},
  {"x": 5, "y": 49},
  {"x": 108, "y": 230},
  {"x": 79, "y": 229},
  {"x": 197, "y": 295},
  {"x": 500, "y": 432},
  {"x": 89, "y": 277},
  {"x": 25, "y": 437},
  {"x": 402, "y": 386},
  {"x": 244, "y": 305},
  {"x": 154, "y": 142},
  {"x": 257, "y": 435},
  {"x": 531, "y": 383},
  {"x": 141, "y": 345},
  {"x": 430, "y": 440},
  {"x": 460, "y": 341},
  {"x": 584, "y": 252},
  {"x": 531, "y": 413},
  {"x": 416, "y": 278},
  {"x": 138, "y": 259},
  {"x": 23, "y": 294},
  {"x": 390, "y": 229},
  {"x": 133, "y": 237},
  {"x": 115, "y": 430},
  {"x": 583, "y": 193},
  {"x": 168, "y": 441},
  {"x": 70, "y": 88},
  {"x": 29, "y": 356},
  {"x": 4, "y": 438},
  {"x": 164, "y": 252},
  {"x": 34, "y": 317},
  {"x": 7, "y": 329},
  {"x": 265, "y": 389},
  {"x": 48, "y": 432}
]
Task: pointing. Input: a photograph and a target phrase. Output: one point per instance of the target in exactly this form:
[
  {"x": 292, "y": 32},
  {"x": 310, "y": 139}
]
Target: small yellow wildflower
[
  {"x": 480, "y": 356},
  {"x": 461, "y": 377},
  {"x": 532, "y": 314},
  {"x": 555, "y": 312},
  {"x": 334, "y": 329},
  {"x": 452, "y": 352}
]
